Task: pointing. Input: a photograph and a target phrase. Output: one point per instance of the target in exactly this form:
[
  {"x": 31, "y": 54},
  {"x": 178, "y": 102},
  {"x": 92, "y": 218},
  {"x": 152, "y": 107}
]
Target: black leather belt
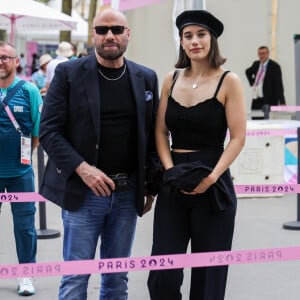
[{"x": 121, "y": 181}]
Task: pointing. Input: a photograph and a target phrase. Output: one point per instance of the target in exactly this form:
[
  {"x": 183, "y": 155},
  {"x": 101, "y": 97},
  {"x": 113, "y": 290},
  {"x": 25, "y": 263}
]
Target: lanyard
[
  {"x": 4, "y": 102},
  {"x": 260, "y": 74},
  {"x": 12, "y": 118}
]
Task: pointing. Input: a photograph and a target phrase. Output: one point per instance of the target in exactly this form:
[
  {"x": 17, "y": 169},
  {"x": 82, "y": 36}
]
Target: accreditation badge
[{"x": 25, "y": 150}]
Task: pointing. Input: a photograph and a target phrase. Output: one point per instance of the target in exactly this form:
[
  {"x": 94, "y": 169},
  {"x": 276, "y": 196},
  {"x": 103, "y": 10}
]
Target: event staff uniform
[{"x": 15, "y": 176}]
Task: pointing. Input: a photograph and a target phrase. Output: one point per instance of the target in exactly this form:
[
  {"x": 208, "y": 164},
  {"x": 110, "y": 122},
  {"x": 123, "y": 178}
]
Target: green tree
[
  {"x": 92, "y": 13},
  {"x": 3, "y": 35},
  {"x": 67, "y": 9}
]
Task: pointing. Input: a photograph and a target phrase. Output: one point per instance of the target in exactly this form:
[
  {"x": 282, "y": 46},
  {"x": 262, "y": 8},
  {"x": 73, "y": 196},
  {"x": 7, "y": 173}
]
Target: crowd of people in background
[{"x": 34, "y": 70}]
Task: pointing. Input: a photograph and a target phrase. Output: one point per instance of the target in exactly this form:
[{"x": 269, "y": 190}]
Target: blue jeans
[
  {"x": 113, "y": 219},
  {"x": 23, "y": 216}
]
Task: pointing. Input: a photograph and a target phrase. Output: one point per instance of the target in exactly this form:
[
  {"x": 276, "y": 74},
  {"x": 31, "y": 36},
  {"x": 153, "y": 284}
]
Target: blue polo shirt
[{"x": 25, "y": 106}]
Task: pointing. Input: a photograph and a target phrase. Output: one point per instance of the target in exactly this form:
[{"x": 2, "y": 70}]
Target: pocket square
[{"x": 148, "y": 96}]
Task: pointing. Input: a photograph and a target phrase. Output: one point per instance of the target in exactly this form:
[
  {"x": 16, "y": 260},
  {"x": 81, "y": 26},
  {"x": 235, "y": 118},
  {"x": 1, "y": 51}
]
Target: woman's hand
[{"x": 203, "y": 185}]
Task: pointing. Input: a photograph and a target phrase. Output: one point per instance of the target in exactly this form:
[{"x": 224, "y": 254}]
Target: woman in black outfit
[{"x": 200, "y": 101}]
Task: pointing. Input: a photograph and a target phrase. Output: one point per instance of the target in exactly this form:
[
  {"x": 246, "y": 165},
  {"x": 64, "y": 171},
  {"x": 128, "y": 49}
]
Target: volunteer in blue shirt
[{"x": 19, "y": 126}]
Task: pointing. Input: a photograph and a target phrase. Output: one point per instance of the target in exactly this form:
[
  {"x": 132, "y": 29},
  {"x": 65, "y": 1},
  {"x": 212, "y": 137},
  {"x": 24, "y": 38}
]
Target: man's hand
[
  {"x": 148, "y": 204},
  {"x": 95, "y": 179}
]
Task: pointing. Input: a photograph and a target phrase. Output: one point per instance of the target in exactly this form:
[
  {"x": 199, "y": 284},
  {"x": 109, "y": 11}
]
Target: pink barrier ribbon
[
  {"x": 285, "y": 108},
  {"x": 239, "y": 189},
  {"x": 271, "y": 132},
  {"x": 267, "y": 188},
  {"x": 161, "y": 262},
  {"x": 21, "y": 197}
]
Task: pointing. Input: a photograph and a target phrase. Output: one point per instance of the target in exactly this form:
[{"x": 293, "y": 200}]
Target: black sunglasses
[{"x": 117, "y": 29}]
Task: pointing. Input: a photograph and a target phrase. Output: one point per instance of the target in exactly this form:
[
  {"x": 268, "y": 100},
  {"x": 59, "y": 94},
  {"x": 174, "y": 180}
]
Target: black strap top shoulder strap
[
  {"x": 220, "y": 83},
  {"x": 175, "y": 76}
]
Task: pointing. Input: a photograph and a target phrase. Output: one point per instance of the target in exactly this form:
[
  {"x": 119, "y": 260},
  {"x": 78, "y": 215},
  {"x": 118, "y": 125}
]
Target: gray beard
[{"x": 4, "y": 76}]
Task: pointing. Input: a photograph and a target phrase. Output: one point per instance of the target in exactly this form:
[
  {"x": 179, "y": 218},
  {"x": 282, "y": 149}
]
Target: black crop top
[{"x": 198, "y": 126}]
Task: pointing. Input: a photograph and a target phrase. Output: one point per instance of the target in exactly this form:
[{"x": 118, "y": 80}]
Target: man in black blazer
[
  {"x": 97, "y": 127},
  {"x": 265, "y": 78}
]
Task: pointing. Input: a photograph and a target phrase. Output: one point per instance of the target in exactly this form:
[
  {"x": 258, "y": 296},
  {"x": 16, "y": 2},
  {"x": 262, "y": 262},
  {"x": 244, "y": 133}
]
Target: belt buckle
[{"x": 121, "y": 181}]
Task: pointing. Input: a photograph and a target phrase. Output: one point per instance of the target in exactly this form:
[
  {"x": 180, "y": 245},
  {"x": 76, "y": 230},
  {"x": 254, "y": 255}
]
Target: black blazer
[
  {"x": 272, "y": 86},
  {"x": 70, "y": 127}
]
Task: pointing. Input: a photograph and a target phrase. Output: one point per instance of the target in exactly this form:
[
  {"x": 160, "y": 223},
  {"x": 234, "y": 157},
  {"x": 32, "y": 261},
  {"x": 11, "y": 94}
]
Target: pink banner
[{"x": 131, "y": 4}]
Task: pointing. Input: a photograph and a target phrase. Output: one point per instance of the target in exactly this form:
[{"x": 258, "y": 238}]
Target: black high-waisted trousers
[{"x": 178, "y": 222}]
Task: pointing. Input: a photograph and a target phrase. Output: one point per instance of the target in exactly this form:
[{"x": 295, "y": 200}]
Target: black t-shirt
[{"x": 118, "y": 131}]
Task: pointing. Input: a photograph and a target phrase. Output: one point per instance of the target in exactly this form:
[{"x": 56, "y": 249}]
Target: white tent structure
[
  {"x": 80, "y": 34},
  {"x": 21, "y": 16}
]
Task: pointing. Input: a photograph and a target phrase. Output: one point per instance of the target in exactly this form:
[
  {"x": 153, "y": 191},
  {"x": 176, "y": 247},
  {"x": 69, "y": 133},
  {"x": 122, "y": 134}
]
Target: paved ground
[{"x": 258, "y": 225}]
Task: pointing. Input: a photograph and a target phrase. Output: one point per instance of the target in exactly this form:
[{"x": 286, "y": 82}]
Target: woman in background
[{"x": 39, "y": 76}]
